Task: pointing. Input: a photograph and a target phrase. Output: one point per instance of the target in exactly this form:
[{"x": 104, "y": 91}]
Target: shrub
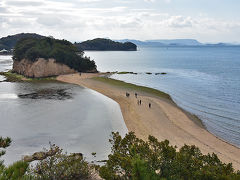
[
  {"x": 133, "y": 158},
  {"x": 62, "y": 166}
]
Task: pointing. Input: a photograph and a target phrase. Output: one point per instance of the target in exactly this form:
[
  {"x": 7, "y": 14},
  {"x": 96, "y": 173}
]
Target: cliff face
[{"x": 41, "y": 68}]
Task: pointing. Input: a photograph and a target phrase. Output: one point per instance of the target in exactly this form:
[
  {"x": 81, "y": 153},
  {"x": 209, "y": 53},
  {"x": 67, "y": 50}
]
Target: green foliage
[
  {"x": 101, "y": 44},
  {"x": 15, "y": 171},
  {"x": 61, "y": 50},
  {"x": 10, "y": 41},
  {"x": 4, "y": 143},
  {"x": 59, "y": 166},
  {"x": 123, "y": 84},
  {"x": 62, "y": 166},
  {"x": 14, "y": 77},
  {"x": 126, "y": 72},
  {"x": 133, "y": 158}
]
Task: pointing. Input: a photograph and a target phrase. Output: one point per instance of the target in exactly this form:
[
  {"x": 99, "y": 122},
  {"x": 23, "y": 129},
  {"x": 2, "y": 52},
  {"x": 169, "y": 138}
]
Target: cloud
[
  {"x": 49, "y": 20},
  {"x": 23, "y": 3},
  {"x": 3, "y": 10},
  {"x": 78, "y": 20},
  {"x": 180, "y": 22},
  {"x": 166, "y": 1}
]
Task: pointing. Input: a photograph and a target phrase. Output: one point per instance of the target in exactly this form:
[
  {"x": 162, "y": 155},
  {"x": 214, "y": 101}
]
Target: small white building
[{"x": 3, "y": 51}]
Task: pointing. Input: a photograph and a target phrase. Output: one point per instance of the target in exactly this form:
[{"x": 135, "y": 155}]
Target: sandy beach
[{"x": 164, "y": 120}]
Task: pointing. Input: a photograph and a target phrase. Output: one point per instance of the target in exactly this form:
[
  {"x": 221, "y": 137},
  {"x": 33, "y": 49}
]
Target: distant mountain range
[
  {"x": 174, "y": 42},
  {"x": 9, "y": 42},
  {"x": 99, "y": 44}
]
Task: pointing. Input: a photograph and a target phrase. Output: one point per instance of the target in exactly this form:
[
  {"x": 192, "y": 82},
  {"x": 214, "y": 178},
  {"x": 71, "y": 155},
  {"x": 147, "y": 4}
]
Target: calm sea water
[
  {"x": 74, "y": 118},
  {"x": 202, "y": 80}
]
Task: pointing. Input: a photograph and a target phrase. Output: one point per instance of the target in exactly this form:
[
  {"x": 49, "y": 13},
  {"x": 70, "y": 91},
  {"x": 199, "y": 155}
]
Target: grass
[
  {"x": 14, "y": 77},
  {"x": 148, "y": 73},
  {"x": 125, "y": 72},
  {"x": 133, "y": 87}
]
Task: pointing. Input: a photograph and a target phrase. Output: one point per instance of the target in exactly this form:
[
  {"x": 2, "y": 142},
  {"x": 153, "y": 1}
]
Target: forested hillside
[
  {"x": 100, "y": 44},
  {"x": 63, "y": 51},
  {"x": 9, "y": 42}
]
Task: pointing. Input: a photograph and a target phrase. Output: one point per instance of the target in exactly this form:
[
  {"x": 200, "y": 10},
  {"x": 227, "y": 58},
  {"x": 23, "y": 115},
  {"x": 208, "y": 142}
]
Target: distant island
[
  {"x": 44, "y": 57},
  {"x": 101, "y": 44},
  {"x": 175, "y": 43},
  {"x": 8, "y": 43}
]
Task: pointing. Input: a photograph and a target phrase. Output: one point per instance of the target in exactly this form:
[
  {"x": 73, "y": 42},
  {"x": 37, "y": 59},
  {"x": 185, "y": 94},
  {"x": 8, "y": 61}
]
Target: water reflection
[{"x": 74, "y": 118}]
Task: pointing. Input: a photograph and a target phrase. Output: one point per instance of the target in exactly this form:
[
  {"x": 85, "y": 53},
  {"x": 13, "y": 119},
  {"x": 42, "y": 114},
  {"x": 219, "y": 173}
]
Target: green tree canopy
[
  {"x": 101, "y": 44},
  {"x": 135, "y": 159},
  {"x": 61, "y": 50}
]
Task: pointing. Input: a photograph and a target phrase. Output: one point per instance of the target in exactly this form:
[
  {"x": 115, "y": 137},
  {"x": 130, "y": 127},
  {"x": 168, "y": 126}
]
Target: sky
[{"x": 78, "y": 20}]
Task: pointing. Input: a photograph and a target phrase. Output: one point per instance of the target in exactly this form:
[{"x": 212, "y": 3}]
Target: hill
[
  {"x": 61, "y": 51},
  {"x": 101, "y": 44},
  {"x": 175, "y": 43},
  {"x": 164, "y": 42},
  {"x": 186, "y": 42},
  {"x": 10, "y": 41}
]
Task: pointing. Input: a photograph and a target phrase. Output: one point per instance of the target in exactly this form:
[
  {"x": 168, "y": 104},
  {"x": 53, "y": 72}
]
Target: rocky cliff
[{"x": 41, "y": 68}]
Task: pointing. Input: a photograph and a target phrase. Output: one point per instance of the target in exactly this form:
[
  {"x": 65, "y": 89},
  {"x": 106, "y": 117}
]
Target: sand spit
[{"x": 163, "y": 120}]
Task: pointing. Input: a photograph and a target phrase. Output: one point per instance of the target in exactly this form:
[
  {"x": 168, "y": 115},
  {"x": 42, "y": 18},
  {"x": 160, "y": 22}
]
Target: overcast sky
[{"x": 77, "y": 20}]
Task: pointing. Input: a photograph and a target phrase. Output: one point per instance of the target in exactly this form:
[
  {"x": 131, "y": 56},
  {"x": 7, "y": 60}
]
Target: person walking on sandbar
[
  {"x": 140, "y": 101},
  {"x": 135, "y": 95},
  {"x": 149, "y": 105}
]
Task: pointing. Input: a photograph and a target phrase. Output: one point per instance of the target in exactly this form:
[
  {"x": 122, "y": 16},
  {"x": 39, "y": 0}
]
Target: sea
[
  {"x": 205, "y": 81},
  {"x": 202, "y": 80},
  {"x": 37, "y": 115}
]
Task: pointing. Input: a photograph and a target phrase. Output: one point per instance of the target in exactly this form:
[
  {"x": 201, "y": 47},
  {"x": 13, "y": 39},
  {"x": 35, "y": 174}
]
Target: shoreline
[
  {"x": 165, "y": 120},
  {"x": 166, "y": 108}
]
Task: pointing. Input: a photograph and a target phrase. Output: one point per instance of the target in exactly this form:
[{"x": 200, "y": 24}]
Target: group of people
[{"x": 139, "y": 101}]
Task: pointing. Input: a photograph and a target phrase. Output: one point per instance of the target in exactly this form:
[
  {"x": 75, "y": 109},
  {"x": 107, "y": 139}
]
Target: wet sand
[{"x": 164, "y": 120}]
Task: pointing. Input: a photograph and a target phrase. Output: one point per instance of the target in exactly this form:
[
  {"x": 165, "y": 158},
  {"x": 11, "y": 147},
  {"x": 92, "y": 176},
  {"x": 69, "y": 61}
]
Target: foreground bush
[
  {"x": 55, "y": 167},
  {"x": 133, "y": 158},
  {"x": 14, "y": 171},
  {"x": 62, "y": 166}
]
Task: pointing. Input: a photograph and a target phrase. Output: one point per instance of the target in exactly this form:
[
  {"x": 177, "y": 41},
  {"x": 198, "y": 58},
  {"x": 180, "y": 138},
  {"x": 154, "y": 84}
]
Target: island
[
  {"x": 45, "y": 57},
  {"x": 101, "y": 44},
  {"x": 8, "y": 43}
]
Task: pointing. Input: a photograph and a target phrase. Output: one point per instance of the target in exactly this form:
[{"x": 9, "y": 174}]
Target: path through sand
[{"x": 164, "y": 119}]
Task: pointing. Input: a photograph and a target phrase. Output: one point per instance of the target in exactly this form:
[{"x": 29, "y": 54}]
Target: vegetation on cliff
[
  {"x": 131, "y": 158},
  {"x": 101, "y": 44},
  {"x": 61, "y": 50}
]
